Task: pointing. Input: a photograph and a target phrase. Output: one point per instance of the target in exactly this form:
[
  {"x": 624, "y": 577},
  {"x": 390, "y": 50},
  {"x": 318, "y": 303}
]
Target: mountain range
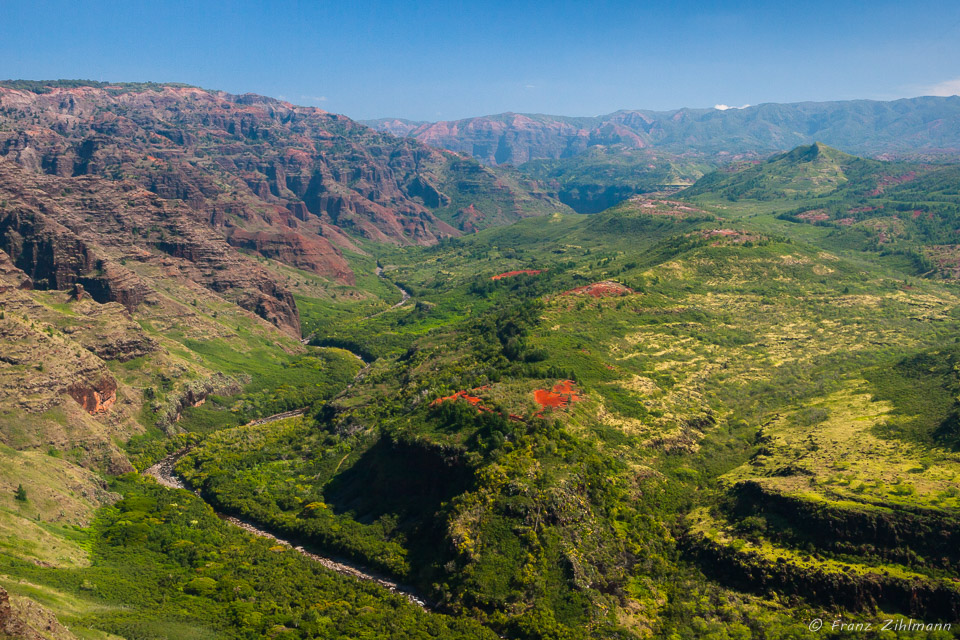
[
  {"x": 274, "y": 178},
  {"x": 912, "y": 126}
]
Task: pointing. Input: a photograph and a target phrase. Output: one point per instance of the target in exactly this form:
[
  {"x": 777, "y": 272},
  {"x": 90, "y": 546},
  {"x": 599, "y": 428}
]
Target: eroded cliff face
[
  {"x": 54, "y": 393},
  {"x": 250, "y": 165},
  {"x": 95, "y": 397},
  {"x": 94, "y": 272},
  {"x": 102, "y": 235}
]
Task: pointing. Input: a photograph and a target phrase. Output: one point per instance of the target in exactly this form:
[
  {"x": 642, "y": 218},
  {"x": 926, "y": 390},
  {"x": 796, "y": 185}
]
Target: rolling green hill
[{"x": 812, "y": 170}]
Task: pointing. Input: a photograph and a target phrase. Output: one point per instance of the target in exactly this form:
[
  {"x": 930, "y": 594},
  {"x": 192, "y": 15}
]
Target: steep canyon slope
[{"x": 284, "y": 181}]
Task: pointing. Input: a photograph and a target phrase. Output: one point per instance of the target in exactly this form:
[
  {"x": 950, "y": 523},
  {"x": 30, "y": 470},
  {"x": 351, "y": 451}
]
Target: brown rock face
[
  {"x": 95, "y": 398},
  {"x": 55, "y": 367},
  {"x": 90, "y": 232},
  {"x": 11, "y": 277},
  {"x": 310, "y": 253},
  {"x": 249, "y": 163},
  {"x": 22, "y": 621}
]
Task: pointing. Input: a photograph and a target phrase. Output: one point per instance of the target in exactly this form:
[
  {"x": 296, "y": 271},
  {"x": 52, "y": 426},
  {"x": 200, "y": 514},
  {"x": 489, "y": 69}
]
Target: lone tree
[{"x": 20, "y": 494}]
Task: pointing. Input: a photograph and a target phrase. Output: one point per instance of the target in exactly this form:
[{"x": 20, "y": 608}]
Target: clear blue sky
[{"x": 429, "y": 60}]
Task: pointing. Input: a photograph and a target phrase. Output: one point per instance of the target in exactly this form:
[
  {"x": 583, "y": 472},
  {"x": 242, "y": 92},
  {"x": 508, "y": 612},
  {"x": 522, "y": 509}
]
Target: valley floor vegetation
[{"x": 720, "y": 414}]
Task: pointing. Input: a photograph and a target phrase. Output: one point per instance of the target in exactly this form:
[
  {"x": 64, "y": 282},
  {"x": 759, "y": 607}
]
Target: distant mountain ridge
[{"x": 867, "y": 127}]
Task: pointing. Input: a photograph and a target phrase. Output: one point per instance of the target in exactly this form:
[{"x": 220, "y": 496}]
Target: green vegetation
[
  {"x": 602, "y": 177},
  {"x": 166, "y": 566},
  {"x": 709, "y": 416},
  {"x": 278, "y": 382},
  {"x": 728, "y": 327}
]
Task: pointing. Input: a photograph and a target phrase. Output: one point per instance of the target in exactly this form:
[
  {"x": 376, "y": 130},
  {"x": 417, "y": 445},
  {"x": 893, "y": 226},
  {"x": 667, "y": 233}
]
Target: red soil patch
[
  {"x": 864, "y": 209},
  {"x": 729, "y": 235},
  {"x": 510, "y": 274},
  {"x": 888, "y": 181},
  {"x": 846, "y": 221},
  {"x": 562, "y": 394},
  {"x": 603, "y": 289},
  {"x": 816, "y": 215},
  {"x": 474, "y": 400}
]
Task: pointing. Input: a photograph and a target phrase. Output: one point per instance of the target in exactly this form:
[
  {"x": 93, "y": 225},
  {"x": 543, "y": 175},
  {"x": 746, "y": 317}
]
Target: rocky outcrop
[
  {"x": 24, "y": 619},
  {"x": 194, "y": 394},
  {"x": 96, "y": 397},
  {"x": 902, "y": 535},
  {"x": 58, "y": 367},
  {"x": 928, "y": 599},
  {"x": 12, "y": 278}
]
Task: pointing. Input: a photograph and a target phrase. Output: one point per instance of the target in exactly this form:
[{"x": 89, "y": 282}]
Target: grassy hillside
[
  {"x": 564, "y": 427},
  {"x": 707, "y": 416}
]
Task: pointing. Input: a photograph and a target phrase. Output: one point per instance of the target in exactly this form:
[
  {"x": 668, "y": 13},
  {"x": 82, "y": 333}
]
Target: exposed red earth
[
  {"x": 730, "y": 235},
  {"x": 510, "y": 274},
  {"x": 604, "y": 289},
  {"x": 562, "y": 394},
  {"x": 816, "y": 215},
  {"x": 475, "y": 401}
]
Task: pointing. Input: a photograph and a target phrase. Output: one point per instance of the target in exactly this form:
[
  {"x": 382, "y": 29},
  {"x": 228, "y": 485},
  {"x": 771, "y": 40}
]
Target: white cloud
[
  {"x": 314, "y": 98},
  {"x": 945, "y": 88},
  {"x": 724, "y": 107},
  {"x": 530, "y": 86}
]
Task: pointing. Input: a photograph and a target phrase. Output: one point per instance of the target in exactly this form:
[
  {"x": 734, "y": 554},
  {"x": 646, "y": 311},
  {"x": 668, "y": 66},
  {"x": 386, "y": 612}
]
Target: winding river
[{"x": 164, "y": 472}]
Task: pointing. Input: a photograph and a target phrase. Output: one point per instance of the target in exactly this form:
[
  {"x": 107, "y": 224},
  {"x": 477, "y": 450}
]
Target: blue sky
[{"x": 431, "y": 60}]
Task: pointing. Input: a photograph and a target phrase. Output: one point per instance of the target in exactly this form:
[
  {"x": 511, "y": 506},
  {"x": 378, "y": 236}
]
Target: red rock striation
[
  {"x": 255, "y": 164},
  {"x": 65, "y": 232}
]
